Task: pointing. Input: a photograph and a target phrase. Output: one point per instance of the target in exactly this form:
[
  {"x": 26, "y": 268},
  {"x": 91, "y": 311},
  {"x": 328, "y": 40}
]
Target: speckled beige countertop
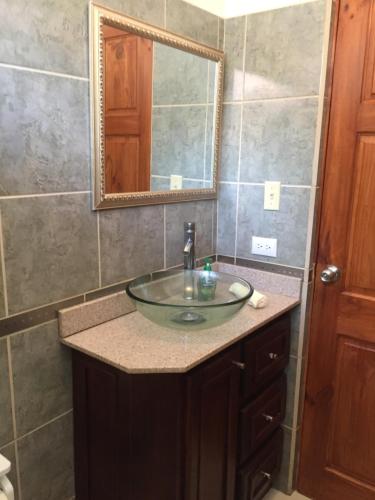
[{"x": 134, "y": 344}]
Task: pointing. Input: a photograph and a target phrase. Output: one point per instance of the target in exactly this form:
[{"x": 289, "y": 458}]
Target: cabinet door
[{"x": 212, "y": 416}]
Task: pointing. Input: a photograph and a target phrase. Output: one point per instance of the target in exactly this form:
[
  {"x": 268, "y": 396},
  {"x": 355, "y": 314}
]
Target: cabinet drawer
[
  {"x": 265, "y": 355},
  {"x": 256, "y": 477},
  {"x": 260, "y": 418}
]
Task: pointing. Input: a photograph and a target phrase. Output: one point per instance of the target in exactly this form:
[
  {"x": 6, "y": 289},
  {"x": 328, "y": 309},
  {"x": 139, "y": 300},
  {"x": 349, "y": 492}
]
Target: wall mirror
[{"x": 156, "y": 105}]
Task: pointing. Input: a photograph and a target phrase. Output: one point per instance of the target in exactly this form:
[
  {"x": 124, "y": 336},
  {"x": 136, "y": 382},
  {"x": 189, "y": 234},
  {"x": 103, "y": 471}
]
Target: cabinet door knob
[
  {"x": 268, "y": 418},
  {"x": 267, "y": 475},
  {"x": 239, "y": 365},
  {"x": 273, "y": 355}
]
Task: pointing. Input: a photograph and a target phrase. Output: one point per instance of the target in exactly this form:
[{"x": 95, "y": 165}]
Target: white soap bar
[
  {"x": 258, "y": 300},
  {"x": 239, "y": 290}
]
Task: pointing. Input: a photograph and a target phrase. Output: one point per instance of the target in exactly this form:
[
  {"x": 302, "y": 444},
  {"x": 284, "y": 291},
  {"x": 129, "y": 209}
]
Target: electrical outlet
[
  {"x": 264, "y": 246},
  {"x": 272, "y": 195},
  {"x": 175, "y": 182}
]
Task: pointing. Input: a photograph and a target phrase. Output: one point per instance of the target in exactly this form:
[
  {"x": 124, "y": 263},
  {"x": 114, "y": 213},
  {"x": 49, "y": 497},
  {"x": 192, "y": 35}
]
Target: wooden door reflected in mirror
[
  {"x": 156, "y": 113},
  {"x": 128, "y": 103}
]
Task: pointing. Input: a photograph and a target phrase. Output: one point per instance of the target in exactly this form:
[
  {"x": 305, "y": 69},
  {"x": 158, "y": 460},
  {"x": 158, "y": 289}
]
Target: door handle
[{"x": 330, "y": 274}]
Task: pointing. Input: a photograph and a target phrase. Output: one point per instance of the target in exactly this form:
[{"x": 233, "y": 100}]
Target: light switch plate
[
  {"x": 264, "y": 246},
  {"x": 176, "y": 182},
  {"x": 272, "y": 195}
]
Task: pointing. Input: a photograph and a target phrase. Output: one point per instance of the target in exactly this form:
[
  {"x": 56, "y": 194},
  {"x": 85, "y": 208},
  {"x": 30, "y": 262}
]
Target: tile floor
[{"x": 277, "y": 495}]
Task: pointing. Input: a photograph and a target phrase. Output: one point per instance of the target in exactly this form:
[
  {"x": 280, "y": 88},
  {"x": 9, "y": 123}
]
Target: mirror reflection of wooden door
[
  {"x": 128, "y": 107},
  {"x": 338, "y": 438}
]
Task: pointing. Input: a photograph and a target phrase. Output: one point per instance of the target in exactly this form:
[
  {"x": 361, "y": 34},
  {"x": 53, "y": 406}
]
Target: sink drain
[{"x": 189, "y": 317}]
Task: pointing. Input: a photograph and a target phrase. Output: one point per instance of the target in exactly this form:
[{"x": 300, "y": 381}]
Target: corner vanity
[{"x": 163, "y": 414}]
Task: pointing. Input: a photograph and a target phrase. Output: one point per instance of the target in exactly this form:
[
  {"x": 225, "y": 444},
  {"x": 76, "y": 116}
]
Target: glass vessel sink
[{"x": 189, "y": 300}]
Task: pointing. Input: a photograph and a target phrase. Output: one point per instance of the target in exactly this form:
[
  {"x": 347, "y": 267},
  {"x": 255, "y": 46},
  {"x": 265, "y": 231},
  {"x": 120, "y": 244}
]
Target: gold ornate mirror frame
[{"x": 98, "y": 16}]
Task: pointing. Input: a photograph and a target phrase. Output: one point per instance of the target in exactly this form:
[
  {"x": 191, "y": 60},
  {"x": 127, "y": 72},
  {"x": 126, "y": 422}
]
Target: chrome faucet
[
  {"x": 189, "y": 245},
  {"x": 189, "y": 259}
]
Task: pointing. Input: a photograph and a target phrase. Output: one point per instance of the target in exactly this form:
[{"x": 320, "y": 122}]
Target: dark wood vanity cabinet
[{"x": 210, "y": 434}]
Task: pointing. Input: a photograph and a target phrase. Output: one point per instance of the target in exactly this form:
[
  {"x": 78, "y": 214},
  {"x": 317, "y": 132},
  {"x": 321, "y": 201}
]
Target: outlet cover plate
[
  {"x": 264, "y": 246},
  {"x": 272, "y": 195}
]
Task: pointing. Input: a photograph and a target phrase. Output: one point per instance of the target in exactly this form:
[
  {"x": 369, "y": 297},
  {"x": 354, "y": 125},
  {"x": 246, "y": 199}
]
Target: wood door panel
[
  {"x": 357, "y": 314},
  {"x": 352, "y": 428},
  {"x": 338, "y": 436},
  {"x": 361, "y": 265},
  {"x": 128, "y": 110},
  {"x": 121, "y": 154},
  {"x": 121, "y": 89}
]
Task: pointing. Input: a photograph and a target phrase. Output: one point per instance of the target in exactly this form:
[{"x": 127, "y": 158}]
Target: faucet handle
[{"x": 189, "y": 226}]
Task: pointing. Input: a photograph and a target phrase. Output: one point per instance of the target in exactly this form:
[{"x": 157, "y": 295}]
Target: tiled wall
[
  {"x": 183, "y": 92},
  {"x": 274, "y": 99},
  {"x": 52, "y": 245}
]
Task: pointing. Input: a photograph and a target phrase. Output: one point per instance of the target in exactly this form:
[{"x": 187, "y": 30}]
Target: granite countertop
[{"x": 134, "y": 344}]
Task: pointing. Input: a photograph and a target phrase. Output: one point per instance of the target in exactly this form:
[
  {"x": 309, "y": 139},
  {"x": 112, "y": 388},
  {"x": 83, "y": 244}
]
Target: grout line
[
  {"x": 2, "y": 264},
  {"x": 192, "y": 105},
  {"x": 213, "y": 247},
  {"x": 266, "y": 99},
  {"x": 218, "y": 33},
  {"x": 165, "y": 235},
  {"x": 206, "y": 124},
  {"x": 297, "y": 186},
  {"x": 13, "y": 408},
  {"x": 99, "y": 251},
  {"x": 240, "y": 140},
  {"x": 165, "y": 14},
  {"x": 45, "y": 424},
  {"x": 41, "y": 195},
  {"x": 224, "y": 29},
  {"x": 43, "y": 72}
]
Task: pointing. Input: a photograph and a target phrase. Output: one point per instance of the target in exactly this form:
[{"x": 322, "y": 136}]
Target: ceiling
[{"x": 233, "y": 8}]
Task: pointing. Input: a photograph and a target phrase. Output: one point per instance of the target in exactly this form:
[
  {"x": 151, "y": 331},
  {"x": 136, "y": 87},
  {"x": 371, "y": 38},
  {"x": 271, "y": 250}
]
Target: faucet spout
[
  {"x": 188, "y": 246},
  {"x": 189, "y": 259}
]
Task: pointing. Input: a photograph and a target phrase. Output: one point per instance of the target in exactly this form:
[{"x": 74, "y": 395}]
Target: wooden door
[
  {"x": 128, "y": 108},
  {"x": 338, "y": 439},
  {"x": 212, "y": 413}
]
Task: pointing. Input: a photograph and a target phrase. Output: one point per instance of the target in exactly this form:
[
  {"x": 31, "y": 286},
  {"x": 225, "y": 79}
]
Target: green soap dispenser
[{"x": 207, "y": 282}]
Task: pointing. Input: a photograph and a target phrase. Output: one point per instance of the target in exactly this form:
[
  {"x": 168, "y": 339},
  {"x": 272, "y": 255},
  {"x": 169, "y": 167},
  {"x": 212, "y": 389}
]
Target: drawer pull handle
[
  {"x": 268, "y": 418},
  {"x": 273, "y": 355},
  {"x": 239, "y": 365},
  {"x": 267, "y": 475}
]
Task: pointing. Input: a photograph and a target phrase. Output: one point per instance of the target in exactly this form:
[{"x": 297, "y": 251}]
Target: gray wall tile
[
  {"x": 44, "y": 145},
  {"x": 282, "y": 480},
  {"x": 2, "y": 294},
  {"x": 230, "y": 142},
  {"x": 283, "y": 51},
  {"x": 221, "y": 34},
  {"x": 131, "y": 242},
  {"x": 278, "y": 141},
  {"x": 291, "y": 373},
  {"x": 199, "y": 212},
  {"x": 51, "y": 250},
  {"x": 227, "y": 205},
  {"x": 234, "y": 47},
  {"x": 295, "y": 330},
  {"x": 44, "y": 35},
  {"x": 210, "y": 127},
  {"x": 41, "y": 376},
  {"x": 192, "y": 22},
  {"x": 288, "y": 225},
  {"x": 46, "y": 461},
  {"x": 179, "y": 77},
  {"x": 150, "y": 11},
  {"x": 184, "y": 155},
  {"x": 6, "y": 425},
  {"x": 9, "y": 452}
]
